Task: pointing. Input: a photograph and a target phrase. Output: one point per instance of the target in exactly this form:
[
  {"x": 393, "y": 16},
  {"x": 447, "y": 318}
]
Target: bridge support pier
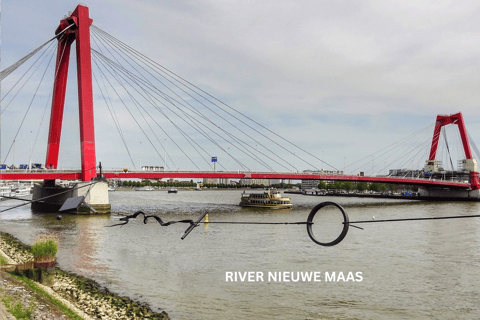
[
  {"x": 446, "y": 194},
  {"x": 96, "y": 195}
]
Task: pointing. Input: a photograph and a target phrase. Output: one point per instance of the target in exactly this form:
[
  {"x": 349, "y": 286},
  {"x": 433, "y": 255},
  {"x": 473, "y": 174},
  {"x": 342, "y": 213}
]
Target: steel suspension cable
[
  {"x": 60, "y": 37},
  {"x": 28, "y": 109},
  {"x": 189, "y": 139},
  {"x": 197, "y": 112},
  {"x": 393, "y": 146},
  {"x": 114, "y": 120},
  {"x": 169, "y": 98},
  {"x": 123, "y": 102},
  {"x": 18, "y": 81},
  {"x": 160, "y": 67},
  {"x": 165, "y": 97},
  {"x": 95, "y": 41},
  {"x": 186, "y": 137},
  {"x": 7, "y": 71},
  {"x": 136, "y": 104}
]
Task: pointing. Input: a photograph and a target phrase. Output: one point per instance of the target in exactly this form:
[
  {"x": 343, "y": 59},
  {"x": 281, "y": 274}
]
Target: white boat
[
  {"x": 146, "y": 188},
  {"x": 111, "y": 189},
  {"x": 271, "y": 198},
  {"x": 172, "y": 190},
  {"x": 22, "y": 192},
  {"x": 5, "y": 191}
]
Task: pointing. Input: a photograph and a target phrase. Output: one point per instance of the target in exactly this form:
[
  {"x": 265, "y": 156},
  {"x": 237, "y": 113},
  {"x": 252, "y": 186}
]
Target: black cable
[{"x": 414, "y": 219}]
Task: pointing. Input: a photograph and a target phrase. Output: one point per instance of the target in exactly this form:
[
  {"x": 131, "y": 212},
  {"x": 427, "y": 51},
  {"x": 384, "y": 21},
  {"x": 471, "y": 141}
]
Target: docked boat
[
  {"x": 146, "y": 188},
  {"x": 5, "y": 191},
  {"x": 271, "y": 198},
  {"x": 172, "y": 190},
  {"x": 111, "y": 189},
  {"x": 22, "y": 191}
]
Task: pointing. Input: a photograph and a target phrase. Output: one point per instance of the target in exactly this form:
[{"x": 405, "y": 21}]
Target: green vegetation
[
  {"x": 17, "y": 309},
  {"x": 45, "y": 247},
  {"x": 37, "y": 289},
  {"x": 322, "y": 185},
  {"x": 3, "y": 260},
  {"x": 361, "y": 186}
]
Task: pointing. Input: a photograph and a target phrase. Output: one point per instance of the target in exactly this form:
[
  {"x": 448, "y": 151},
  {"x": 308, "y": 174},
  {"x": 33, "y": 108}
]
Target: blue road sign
[{"x": 214, "y": 159}]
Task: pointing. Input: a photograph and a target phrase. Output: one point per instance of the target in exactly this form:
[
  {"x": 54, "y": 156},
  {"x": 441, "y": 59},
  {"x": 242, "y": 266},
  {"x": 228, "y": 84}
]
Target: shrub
[{"x": 45, "y": 247}]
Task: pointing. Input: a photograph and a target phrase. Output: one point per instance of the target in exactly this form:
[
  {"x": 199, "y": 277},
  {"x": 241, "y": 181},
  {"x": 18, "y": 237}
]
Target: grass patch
[
  {"x": 45, "y": 246},
  {"x": 37, "y": 289},
  {"x": 3, "y": 260},
  {"x": 17, "y": 309}
]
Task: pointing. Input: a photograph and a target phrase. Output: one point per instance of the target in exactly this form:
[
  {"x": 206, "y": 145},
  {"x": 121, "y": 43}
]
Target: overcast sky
[{"x": 341, "y": 79}]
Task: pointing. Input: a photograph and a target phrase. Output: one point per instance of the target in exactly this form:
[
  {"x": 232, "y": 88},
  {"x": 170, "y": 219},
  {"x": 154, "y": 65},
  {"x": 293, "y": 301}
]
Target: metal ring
[{"x": 310, "y": 223}]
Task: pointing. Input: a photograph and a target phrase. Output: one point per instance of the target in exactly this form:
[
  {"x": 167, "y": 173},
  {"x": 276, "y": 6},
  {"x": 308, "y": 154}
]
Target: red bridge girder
[{"x": 232, "y": 175}]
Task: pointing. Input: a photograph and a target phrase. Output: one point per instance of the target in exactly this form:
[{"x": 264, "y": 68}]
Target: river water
[{"x": 408, "y": 270}]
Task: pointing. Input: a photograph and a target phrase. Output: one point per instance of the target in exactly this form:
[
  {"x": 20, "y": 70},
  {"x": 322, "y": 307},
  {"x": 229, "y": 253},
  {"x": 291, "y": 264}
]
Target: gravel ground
[{"x": 10, "y": 286}]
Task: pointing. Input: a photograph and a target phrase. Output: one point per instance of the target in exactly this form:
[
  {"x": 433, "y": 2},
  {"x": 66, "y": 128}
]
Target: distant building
[
  {"x": 312, "y": 184},
  {"x": 210, "y": 180},
  {"x": 309, "y": 184},
  {"x": 249, "y": 182},
  {"x": 216, "y": 181}
]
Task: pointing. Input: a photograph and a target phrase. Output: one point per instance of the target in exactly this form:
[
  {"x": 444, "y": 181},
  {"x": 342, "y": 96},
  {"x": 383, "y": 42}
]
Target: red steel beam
[
  {"x": 58, "y": 100},
  {"x": 205, "y": 174},
  {"x": 443, "y": 120},
  {"x": 85, "y": 94}
]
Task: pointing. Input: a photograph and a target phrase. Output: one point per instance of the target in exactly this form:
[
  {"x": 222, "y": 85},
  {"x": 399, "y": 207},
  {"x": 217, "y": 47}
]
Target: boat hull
[{"x": 278, "y": 206}]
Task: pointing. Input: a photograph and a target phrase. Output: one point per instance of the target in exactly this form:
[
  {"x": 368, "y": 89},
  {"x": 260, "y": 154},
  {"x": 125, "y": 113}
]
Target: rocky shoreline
[{"x": 83, "y": 296}]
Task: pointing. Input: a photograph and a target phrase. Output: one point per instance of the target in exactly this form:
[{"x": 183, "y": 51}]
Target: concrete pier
[{"x": 96, "y": 195}]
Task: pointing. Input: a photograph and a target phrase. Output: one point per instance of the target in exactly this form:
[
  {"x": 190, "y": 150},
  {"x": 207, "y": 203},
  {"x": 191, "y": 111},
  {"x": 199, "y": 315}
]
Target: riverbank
[{"x": 84, "y": 297}]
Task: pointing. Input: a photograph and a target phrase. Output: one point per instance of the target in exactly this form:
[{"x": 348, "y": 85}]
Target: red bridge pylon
[
  {"x": 79, "y": 22},
  {"x": 470, "y": 163}
]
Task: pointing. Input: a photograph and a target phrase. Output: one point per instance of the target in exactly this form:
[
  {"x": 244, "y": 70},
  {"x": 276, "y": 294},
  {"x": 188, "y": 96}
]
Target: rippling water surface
[{"x": 424, "y": 269}]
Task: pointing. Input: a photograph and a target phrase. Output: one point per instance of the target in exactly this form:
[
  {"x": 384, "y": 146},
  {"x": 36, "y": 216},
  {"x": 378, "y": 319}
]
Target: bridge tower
[
  {"x": 79, "y": 31},
  {"x": 469, "y": 163},
  {"x": 77, "y": 27}
]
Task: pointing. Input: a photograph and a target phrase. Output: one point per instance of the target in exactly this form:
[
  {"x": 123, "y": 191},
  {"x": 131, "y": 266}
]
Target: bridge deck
[{"x": 73, "y": 174}]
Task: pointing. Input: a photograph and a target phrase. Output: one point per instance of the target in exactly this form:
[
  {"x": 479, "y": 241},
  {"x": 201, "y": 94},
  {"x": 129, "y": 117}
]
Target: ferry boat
[{"x": 271, "y": 198}]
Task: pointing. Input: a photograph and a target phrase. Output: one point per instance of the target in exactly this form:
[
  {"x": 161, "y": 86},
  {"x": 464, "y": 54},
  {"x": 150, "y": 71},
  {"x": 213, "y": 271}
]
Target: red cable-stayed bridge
[
  {"x": 76, "y": 28},
  {"x": 76, "y": 175}
]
